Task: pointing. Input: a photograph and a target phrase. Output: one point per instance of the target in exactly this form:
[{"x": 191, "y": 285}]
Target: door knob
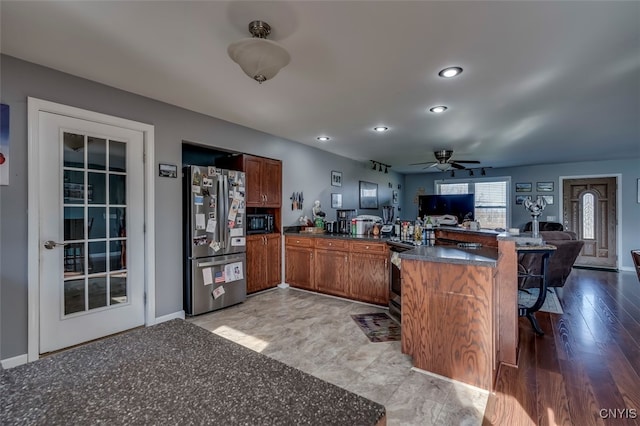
[{"x": 50, "y": 245}]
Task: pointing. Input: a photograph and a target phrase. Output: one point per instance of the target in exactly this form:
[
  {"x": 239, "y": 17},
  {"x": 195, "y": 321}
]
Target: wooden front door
[{"x": 589, "y": 209}]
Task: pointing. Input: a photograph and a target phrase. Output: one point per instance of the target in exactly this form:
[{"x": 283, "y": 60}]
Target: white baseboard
[
  {"x": 627, "y": 269},
  {"x": 169, "y": 317},
  {"x": 15, "y": 361}
]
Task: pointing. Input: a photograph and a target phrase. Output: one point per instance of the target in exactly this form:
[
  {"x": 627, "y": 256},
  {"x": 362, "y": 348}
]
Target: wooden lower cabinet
[
  {"x": 263, "y": 262},
  {"x": 299, "y": 266},
  {"x": 369, "y": 277},
  {"x": 355, "y": 270},
  {"x": 331, "y": 272}
]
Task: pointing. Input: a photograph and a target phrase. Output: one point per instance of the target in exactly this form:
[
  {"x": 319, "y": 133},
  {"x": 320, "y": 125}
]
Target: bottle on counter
[
  {"x": 353, "y": 227},
  {"x": 428, "y": 223},
  {"x": 417, "y": 230}
]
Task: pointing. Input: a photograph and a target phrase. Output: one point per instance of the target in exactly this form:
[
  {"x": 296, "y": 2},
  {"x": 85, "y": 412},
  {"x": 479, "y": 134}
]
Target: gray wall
[
  {"x": 629, "y": 169},
  {"x": 304, "y": 169}
]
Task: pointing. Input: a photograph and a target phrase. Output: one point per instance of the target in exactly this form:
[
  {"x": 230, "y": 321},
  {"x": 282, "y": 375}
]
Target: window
[
  {"x": 588, "y": 216},
  {"x": 491, "y": 206}
]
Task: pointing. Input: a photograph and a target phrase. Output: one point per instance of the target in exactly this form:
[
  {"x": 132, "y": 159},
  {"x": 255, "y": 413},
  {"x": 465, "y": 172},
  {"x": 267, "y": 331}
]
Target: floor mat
[
  {"x": 378, "y": 327},
  {"x": 551, "y": 302}
]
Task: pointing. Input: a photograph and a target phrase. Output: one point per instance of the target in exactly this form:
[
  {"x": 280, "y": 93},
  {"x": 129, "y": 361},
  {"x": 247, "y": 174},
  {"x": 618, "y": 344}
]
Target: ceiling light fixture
[
  {"x": 483, "y": 172},
  {"x": 438, "y": 109},
  {"x": 450, "y": 72},
  {"x": 443, "y": 167},
  {"x": 323, "y": 138},
  {"x": 259, "y": 58},
  {"x": 381, "y": 129},
  {"x": 453, "y": 173},
  {"x": 470, "y": 172},
  {"x": 378, "y": 165}
]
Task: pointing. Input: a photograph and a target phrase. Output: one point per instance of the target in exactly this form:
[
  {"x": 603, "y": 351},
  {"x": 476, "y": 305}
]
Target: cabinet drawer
[
  {"x": 299, "y": 241},
  {"x": 332, "y": 243},
  {"x": 368, "y": 247}
]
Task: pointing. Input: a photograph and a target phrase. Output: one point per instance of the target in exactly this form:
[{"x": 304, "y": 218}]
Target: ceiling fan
[{"x": 444, "y": 161}]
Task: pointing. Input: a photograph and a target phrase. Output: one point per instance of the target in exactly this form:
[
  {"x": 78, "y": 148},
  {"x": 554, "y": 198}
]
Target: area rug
[
  {"x": 173, "y": 373},
  {"x": 551, "y": 302},
  {"x": 378, "y": 327}
]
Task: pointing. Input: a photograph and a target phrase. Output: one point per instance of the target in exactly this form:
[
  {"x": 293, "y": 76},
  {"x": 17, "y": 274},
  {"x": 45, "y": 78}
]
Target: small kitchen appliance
[
  {"x": 387, "y": 220},
  {"x": 344, "y": 220}
]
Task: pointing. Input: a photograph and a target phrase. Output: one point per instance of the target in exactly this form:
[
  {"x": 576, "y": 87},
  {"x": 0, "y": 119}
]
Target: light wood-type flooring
[{"x": 585, "y": 370}]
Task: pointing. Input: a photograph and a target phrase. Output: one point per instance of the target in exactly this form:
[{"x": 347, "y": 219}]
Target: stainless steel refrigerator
[{"x": 214, "y": 239}]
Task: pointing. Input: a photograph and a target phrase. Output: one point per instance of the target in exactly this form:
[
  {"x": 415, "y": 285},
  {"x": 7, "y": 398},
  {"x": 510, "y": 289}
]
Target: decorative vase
[{"x": 536, "y": 208}]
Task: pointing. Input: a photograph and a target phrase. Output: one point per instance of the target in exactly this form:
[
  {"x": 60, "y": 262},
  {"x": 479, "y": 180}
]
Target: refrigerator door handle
[
  {"x": 207, "y": 264},
  {"x": 225, "y": 197},
  {"x": 220, "y": 209}
]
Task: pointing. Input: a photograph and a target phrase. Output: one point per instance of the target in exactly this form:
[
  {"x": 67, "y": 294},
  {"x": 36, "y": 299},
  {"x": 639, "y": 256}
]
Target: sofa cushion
[{"x": 549, "y": 236}]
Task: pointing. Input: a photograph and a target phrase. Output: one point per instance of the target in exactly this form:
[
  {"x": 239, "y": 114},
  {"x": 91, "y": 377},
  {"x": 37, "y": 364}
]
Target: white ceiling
[{"x": 543, "y": 82}]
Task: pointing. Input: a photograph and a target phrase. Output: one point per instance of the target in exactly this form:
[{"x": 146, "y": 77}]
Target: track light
[
  {"x": 483, "y": 172},
  {"x": 376, "y": 165},
  {"x": 470, "y": 172},
  {"x": 453, "y": 173}
]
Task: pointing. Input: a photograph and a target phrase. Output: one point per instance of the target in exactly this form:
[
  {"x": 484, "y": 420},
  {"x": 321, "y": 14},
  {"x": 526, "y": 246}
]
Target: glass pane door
[{"x": 95, "y": 223}]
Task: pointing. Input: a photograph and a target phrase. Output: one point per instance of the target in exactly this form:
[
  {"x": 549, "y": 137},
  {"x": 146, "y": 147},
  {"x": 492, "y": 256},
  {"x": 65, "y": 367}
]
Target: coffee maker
[
  {"x": 387, "y": 220},
  {"x": 344, "y": 220}
]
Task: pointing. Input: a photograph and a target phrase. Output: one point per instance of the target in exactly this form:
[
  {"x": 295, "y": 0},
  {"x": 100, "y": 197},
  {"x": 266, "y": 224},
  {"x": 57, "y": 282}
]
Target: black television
[{"x": 458, "y": 205}]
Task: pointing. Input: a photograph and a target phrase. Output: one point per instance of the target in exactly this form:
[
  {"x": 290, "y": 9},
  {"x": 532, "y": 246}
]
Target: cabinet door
[
  {"x": 332, "y": 271},
  {"x": 253, "y": 176},
  {"x": 256, "y": 263},
  {"x": 272, "y": 260},
  {"x": 272, "y": 183},
  {"x": 369, "y": 277},
  {"x": 299, "y": 267}
]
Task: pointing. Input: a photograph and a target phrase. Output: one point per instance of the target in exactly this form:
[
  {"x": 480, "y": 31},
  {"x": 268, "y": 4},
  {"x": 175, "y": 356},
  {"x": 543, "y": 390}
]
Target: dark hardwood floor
[{"x": 585, "y": 370}]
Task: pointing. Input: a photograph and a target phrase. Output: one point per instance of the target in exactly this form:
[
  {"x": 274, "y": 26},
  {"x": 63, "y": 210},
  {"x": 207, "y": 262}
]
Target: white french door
[{"x": 91, "y": 230}]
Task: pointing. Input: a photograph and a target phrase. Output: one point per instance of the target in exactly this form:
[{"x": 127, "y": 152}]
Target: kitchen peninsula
[{"x": 459, "y": 306}]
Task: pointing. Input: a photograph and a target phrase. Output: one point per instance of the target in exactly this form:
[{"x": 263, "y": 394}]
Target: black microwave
[{"x": 259, "y": 224}]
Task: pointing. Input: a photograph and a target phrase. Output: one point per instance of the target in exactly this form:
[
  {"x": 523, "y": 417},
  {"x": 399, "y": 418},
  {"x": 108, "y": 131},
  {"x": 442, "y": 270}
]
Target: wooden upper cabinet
[
  {"x": 272, "y": 182},
  {"x": 264, "y": 180}
]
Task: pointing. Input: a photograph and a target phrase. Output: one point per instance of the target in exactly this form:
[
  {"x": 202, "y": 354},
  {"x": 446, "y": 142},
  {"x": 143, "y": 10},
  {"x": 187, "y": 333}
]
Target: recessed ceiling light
[
  {"x": 380, "y": 129},
  {"x": 323, "y": 138},
  {"x": 438, "y": 109},
  {"x": 450, "y": 72}
]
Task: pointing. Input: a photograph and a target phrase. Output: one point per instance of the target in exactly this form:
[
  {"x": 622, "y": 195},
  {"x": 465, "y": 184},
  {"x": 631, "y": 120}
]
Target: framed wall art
[
  {"x": 168, "y": 170},
  {"x": 547, "y": 199},
  {"x": 520, "y": 198},
  {"x": 368, "y": 195},
  {"x": 544, "y": 186},
  {"x": 336, "y": 201},
  {"x": 336, "y": 178},
  {"x": 523, "y": 187}
]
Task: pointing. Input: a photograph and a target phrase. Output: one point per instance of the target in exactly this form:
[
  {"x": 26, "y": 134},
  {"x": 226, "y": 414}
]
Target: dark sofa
[{"x": 560, "y": 263}]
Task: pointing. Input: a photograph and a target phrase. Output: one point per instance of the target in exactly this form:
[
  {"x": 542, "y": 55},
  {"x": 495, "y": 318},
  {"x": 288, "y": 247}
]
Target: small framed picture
[
  {"x": 336, "y": 201},
  {"x": 544, "y": 186},
  {"x": 168, "y": 170},
  {"x": 523, "y": 187},
  {"x": 547, "y": 199},
  {"x": 336, "y": 178},
  {"x": 639, "y": 190},
  {"x": 395, "y": 197},
  {"x": 520, "y": 198}
]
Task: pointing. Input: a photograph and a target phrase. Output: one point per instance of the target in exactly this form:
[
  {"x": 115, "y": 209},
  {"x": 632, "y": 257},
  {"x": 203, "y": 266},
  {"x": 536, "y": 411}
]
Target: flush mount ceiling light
[
  {"x": 438, "y": 109},
  {"x": 259, "y": 58},
  {"x": 323, "y": 138},
  {"x": 450, "y": 72},
  {"x": 443, "y": 166},
  {"x": 380, "y": 129}
]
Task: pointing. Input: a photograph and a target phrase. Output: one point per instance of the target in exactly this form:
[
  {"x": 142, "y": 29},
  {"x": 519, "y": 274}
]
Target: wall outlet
[{"x": 551, "y": 219}]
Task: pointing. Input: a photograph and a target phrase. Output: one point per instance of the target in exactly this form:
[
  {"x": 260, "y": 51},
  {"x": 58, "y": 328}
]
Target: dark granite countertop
[
  {"x": 484, "y": 256},
  {"x": 173, "y": 373},
  {"x": 337, "y": 236}
]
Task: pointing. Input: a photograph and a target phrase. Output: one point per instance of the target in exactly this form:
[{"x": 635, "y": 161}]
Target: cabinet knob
[
  {"x": 330, "y": 244},
  {"x": 367, "y": 247}
]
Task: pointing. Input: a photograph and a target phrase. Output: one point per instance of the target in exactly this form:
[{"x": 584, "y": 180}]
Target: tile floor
[{"x": 316, "y": 334}]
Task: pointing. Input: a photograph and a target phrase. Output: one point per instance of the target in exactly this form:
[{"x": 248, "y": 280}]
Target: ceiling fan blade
[
  {"x": 428, "y": 167},
  {"x": 468, "y": 161},
  {"x": 419, "y": 164},
  {"x": 457, "y": 166}
]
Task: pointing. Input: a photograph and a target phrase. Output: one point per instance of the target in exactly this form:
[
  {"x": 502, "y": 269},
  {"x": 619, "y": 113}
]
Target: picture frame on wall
[
  {"x": 548, "y": 199},
  {"x": 520, "y": 198},
  {"x": 638, "y": 190},
  {"x": 395, "y": 197},
  {"x": 368, "y": 195},
  {"x": 544, "y": 186},
  {"x": 336, "y": 178},
  {"x": 523, "y": 187},
  {"x": 336, "y": 201},
  {"x": 168, "y": 170}
]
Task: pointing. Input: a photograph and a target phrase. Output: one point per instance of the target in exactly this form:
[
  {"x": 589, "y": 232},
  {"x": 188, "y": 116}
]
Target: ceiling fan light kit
[{"x": 259, "y": 58}]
